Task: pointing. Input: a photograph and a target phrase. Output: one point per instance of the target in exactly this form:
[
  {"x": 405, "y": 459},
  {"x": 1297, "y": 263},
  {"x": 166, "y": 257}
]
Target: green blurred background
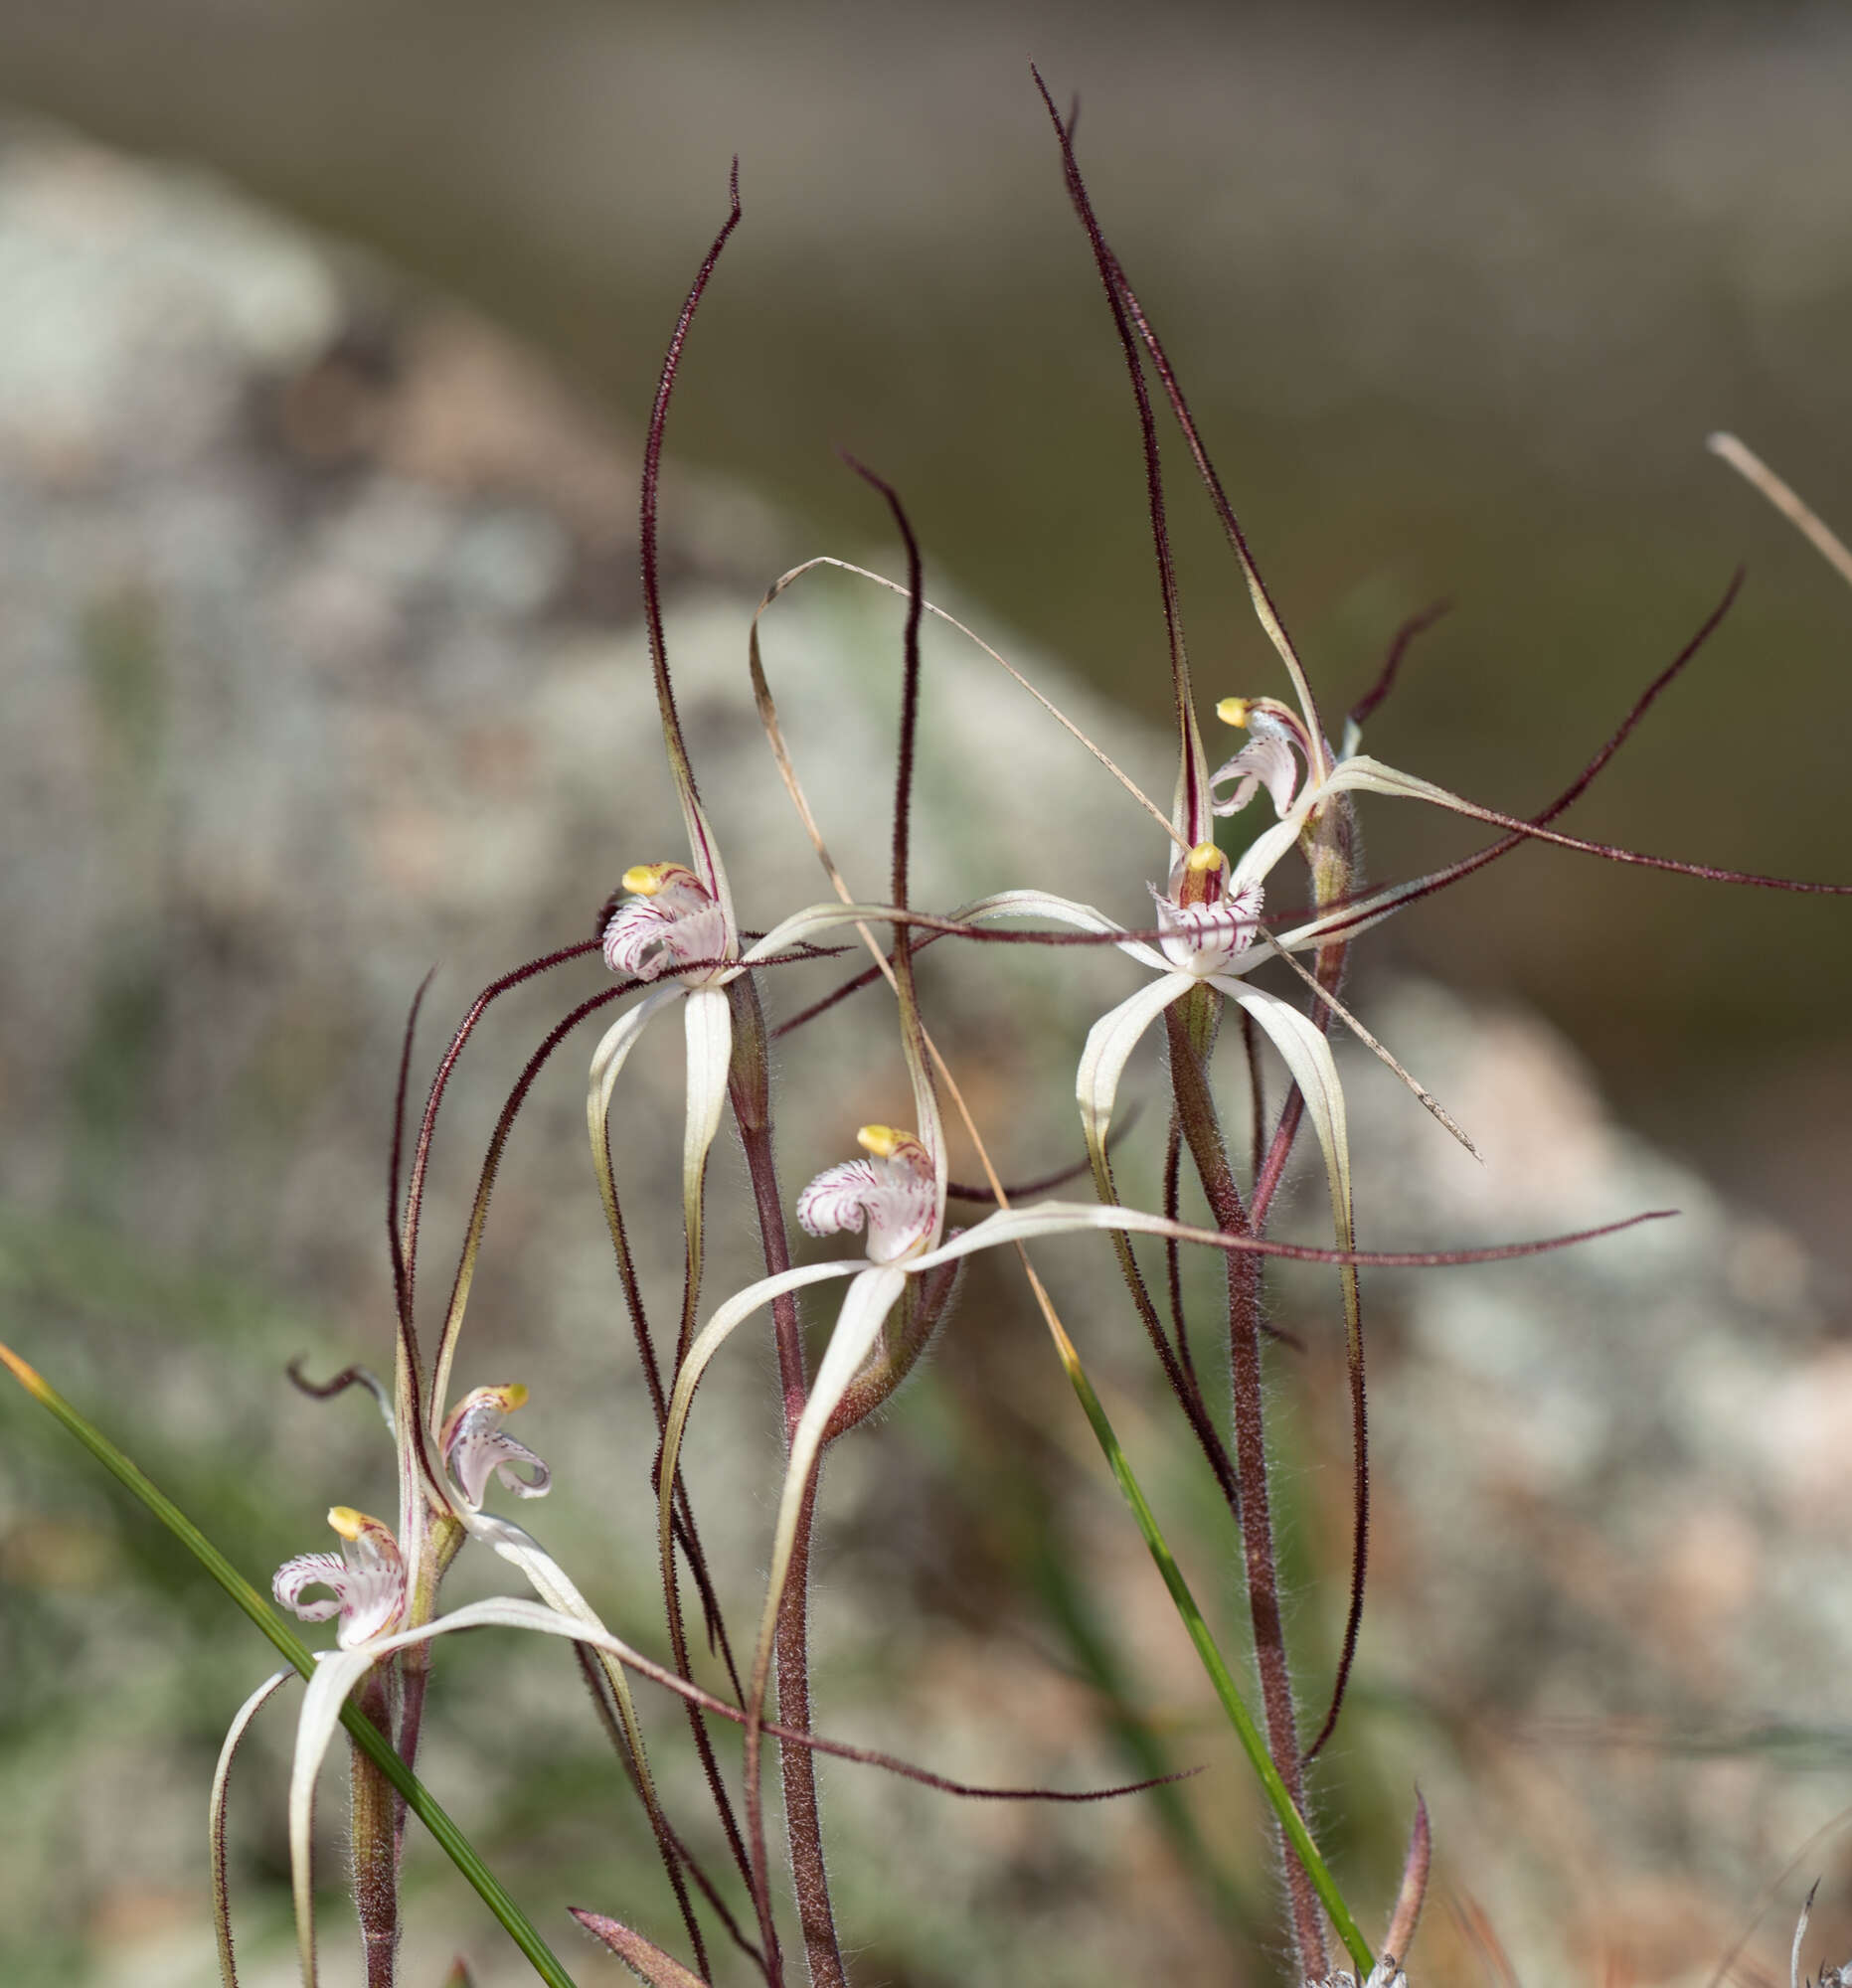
[{"x": 1457, "y": 295}]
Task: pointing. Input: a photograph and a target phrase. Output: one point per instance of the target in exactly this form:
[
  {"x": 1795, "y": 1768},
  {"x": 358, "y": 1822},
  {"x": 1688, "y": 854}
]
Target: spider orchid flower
[
  {"x": 893, "y": 1194},
  {"x": 369, "y": 1587},
  {"x": 364, "y": 1581},
  {"x": 476, "y": 1446},
  {"x": 1208, "y": 923},
  {"x": 675, "y": 926}
]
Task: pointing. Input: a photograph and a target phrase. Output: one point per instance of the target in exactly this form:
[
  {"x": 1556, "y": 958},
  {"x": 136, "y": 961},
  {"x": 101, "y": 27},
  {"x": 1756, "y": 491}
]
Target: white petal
[
  {"x": 1062, "y": 911},
  {"x": 708, "y": 1342},
  {"x": 837, "y": 1199},
  {"x": 613, "y": 1052},
  {"x": 865, "y": 1307},
  {"x": 215, "y": 1812},
  {"x": 310, "y": 1571},
  {"x": 1307, "y": 1056},
  {"x": 708, "y": 865},
  {"x": 1109, "y": 1044},
  {"x": 811, "y": 921},
  {"x": 709, "y": 1032},
  {"x": 338, "y": 1673}
]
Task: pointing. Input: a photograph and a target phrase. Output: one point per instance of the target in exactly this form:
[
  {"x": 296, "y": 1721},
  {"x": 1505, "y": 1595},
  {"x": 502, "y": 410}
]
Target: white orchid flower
[
  {"x": 895, "y": 1196},
  {"x": 367, "y": 1589},
  {"x": 476, "y": 1446},
  {"x": 677, "y": 926},
  {"x": 365, "y": 1580}
]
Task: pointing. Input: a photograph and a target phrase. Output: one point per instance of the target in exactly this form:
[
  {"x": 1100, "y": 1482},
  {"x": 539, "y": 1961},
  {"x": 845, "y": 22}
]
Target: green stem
[
  {"x": 365, "y": 1735},
  {"x": 1291, "y": 1822}
]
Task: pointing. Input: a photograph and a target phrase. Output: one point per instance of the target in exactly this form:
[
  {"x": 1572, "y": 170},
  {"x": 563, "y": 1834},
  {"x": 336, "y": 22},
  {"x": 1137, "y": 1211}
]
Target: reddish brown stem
[
  {"x": 749, "y": 1090},
  {"x": 376, "y": 1863},
  {"x": 1187, "y": 1024}
]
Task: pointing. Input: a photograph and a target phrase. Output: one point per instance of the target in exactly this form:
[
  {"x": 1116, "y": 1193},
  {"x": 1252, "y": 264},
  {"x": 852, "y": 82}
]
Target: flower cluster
[{"x": 670, "y": 936}]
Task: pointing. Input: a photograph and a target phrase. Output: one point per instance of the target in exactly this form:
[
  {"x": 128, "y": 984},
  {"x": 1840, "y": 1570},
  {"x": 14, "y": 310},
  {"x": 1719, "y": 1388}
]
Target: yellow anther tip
[
  {"x": 1204, "y": 857},
  {"x": 881, "y": 1141},
  {"x": 1234, "y": 711},
  {"x": 347, "y": 1522},
  {"x": 644, "y": 879},
  {"x": 513, "y": 1395}
]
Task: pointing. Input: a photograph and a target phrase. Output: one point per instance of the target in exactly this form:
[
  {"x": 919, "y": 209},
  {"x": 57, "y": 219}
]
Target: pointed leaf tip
[
  {"x": 643, "y": 1957},
  {"x": 27, "y": 1377}
]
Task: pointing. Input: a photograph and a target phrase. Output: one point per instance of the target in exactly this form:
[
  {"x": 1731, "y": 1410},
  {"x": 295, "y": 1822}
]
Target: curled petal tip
[
  {"x": 669, "y": 920},
  {"x": 365, "y": 1580},
  {"x": 476, "y": 1446},
  {"x": 892, "y": 1194}
]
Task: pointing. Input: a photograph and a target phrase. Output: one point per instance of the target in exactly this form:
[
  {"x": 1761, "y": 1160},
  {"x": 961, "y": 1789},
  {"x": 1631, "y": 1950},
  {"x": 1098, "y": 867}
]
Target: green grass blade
[
  {"x": 365, "y": 1734},
  {"x": 1291, "y": 1822}
]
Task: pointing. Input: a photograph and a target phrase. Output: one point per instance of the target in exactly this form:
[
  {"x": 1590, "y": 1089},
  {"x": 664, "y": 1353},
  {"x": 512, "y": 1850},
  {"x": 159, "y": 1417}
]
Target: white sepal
[{"x": 1109, "y": 1044}]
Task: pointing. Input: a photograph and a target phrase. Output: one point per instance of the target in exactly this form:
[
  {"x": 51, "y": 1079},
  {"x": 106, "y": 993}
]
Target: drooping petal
[
  {"x": 805, "y": 924},
  {"x": 1307, "y": 1056},
  {"x": 613, "y": 1052},
  {"x": 215, "y": 1827},
  {"x": 864, "y": 1308},
  {"x": 476, "y": 1446},
  {"x": 708, "y": 1028},
  {"x": 337, "y": 1673},
  {"x": 1109, "y": 1044},
  {"x": 366, "y": 1580},
  {"x": 708, "y": 1342}
]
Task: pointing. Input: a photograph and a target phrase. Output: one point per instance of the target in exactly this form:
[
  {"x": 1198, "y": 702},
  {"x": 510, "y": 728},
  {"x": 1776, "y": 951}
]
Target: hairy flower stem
[
  {"x": 1334, "y": 858},
  {"x": 446, "y": 1537},
  {"x": 1191, "y": 1024},
  {"x": 375, "y": 1832},
  {"x": 748, "y": 1085}
]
